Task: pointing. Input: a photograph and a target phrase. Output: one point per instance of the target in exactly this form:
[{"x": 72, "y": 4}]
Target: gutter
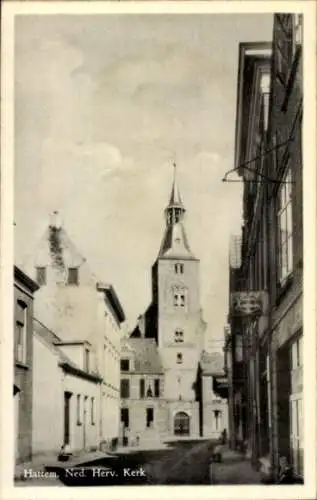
[{"x": 73, "y": 370}]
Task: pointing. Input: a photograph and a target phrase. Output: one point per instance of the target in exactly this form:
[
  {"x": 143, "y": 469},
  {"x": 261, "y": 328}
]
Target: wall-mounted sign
[{"x": 246, "y": 303}]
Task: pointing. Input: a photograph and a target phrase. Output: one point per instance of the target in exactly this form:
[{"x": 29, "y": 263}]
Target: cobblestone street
[
  {"x": 234, "y": 469},
  {"x": 178, "y": 463}
]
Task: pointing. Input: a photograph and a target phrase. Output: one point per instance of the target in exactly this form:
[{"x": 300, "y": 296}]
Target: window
[
  {"x": 73, "y": 276},
  {"x": 285, "y": 229},
  {"x": 21, "y": 332},
  {"x": 296, "y": 353},
  {"x": 41, "y": 276},
  {"x": 92, "y": 411},
  {"x": 149, "y": 417},
  {"x": 125, "y": 417},
  {"x": 67, "y": 423},
  {"x": 125, "y": 365},
  {"x": 179, "y": 336},
  {"x": 179, "y": 299},
  {"x": 86, "y": 360},
  {"x": 142, "y": 388},
  {"x": 125, "y": 388},
  {"x": 78, "y": 409},
  {"x": 179, "y": 358},
  {"x": 85, "y": 407},
  {"x": 265, "y": 104},
  {"x": 284, "y": 45},
  {"x": 297, "y": 31},
  {"x": 296, "y": 433},
  {"x": 179, "y": 268},
  {"x": 238, "y": 348},
  {"x": 149, "y": 392},
  {"x": 177, "y": 214},
  {"x": 157, "y": 387}
]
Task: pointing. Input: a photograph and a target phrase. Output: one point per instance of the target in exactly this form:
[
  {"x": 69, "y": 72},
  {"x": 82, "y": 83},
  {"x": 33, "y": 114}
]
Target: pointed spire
[
  {"x": 174, "y": 240},
  {"x": 175, "y": 198},
  {"x": 175, "y": 209}
]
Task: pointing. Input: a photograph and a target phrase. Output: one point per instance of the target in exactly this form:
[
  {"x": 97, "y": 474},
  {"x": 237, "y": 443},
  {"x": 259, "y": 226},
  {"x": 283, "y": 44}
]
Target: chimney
[
  {"x": 55, "y": 220},
  {"x": 141, "y": 324}
]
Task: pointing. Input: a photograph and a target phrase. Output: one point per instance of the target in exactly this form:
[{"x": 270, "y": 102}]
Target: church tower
[{"x": 180, "y": 327}]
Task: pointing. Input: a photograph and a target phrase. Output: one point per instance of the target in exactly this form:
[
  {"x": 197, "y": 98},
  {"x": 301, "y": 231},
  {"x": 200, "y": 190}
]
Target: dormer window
[
  {"x": 72, "y": 278},
  {"x": 179, "y": 336},
  {"x": 41, "y": 275}
]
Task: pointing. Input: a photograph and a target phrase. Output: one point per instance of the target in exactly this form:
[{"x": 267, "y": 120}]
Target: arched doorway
[{"x": 181, "y": 424}]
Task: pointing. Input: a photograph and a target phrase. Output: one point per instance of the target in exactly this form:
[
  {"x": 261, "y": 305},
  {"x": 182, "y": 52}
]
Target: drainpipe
[
  {"x": 257, "y": 391},
  {"x": 269, "y": 225}
]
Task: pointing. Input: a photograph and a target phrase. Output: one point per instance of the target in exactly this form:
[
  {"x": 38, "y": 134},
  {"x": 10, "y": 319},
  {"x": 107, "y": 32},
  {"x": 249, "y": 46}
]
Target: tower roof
[{"x": 175, "y": 243}]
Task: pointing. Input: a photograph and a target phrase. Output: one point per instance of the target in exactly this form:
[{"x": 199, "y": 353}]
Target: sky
[{"x": 103, "y": 103}]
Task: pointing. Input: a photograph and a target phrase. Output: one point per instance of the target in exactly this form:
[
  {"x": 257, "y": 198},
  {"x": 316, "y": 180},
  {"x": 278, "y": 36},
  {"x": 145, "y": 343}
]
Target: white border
[{"x": 9, "y": 10}]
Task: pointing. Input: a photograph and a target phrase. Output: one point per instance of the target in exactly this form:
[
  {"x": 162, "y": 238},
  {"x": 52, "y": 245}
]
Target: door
[
  {"x": 296, "y": 435},
  {"x": 181, "y": 424},
  {"x": 67, "y": 396}
]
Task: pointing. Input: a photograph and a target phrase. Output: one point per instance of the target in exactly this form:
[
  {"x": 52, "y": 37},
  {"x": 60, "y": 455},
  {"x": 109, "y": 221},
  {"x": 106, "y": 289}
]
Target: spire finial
[
  {"x": 55, "y": 219},
  {"x": 174, "y": 171}
]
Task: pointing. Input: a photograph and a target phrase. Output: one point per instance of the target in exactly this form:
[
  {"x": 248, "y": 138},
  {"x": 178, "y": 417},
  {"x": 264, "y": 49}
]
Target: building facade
[
  {"x": 247, "y": 334},
  {"x": 212, "y": 395},
  {"x": 80, "y": 309},
  {"x": 111, "y": 316},
  {"x": 286, "y": 242},
  {"x": 268, "y": 157},
  {"x": 143, "y": 408},
  {"x": 24, "y": 289},
  {"x": 173, "y": 328},
  {"x": 60, "y": 370}
]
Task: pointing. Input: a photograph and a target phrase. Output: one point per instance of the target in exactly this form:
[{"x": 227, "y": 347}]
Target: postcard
[{"x": 158, "y": 209}]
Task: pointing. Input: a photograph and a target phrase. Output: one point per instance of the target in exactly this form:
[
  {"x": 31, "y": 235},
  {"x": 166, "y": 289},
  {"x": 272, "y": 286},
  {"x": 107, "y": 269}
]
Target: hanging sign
[{"x": 246, "y": 303}]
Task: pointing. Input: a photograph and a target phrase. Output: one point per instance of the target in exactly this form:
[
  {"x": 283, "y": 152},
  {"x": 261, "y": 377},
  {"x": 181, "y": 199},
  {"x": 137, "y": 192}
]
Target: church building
[{"x": 160, "y": 358}]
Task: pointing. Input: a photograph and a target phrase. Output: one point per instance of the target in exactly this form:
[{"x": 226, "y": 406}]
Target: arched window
[{"x": 179, "y": 358}]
